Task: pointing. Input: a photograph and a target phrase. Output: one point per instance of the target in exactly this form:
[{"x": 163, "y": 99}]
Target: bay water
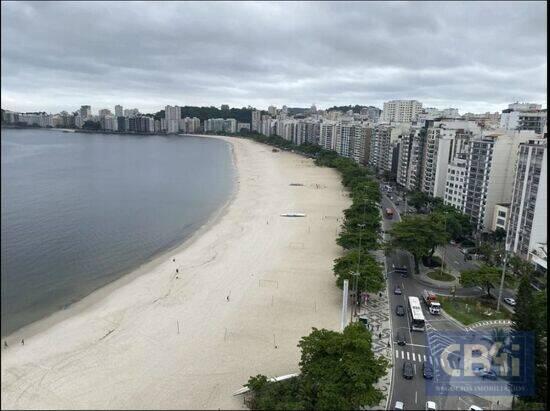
[{"x": 81, "y": 210}]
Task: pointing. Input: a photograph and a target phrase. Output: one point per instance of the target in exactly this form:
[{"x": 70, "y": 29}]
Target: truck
[
  {"x": 389, "y": 212},
  {"x": 430, "y": 299}
]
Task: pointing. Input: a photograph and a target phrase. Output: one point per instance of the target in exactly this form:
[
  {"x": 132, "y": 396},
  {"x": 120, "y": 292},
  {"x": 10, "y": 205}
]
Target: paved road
[{"x": 413, "y": 392}]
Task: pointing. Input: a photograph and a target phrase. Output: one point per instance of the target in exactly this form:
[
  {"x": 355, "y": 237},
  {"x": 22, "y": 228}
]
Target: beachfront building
[
  {"x": 172, "y": 116},
  {"x": 527, "y": 220},
  {"x": 446, "y": 144},
  {"x": 256, "y": 120},
  {"x": 118, "y": 111},
  {"x": 327, "y": 135},
  {"x": 243, "y": 126},
  {"x": 490, "y": 173}
]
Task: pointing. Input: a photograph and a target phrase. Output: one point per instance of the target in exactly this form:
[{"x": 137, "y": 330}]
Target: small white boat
[
  {"x": 274, "y": 379},
  {"x": 293, "y": 215}
]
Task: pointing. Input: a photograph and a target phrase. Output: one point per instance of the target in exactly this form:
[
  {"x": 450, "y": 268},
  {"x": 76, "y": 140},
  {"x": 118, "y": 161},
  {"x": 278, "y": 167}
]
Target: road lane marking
[
  {"x": 407, "y": 355},
  {"x": 402, "y": 355},
  {"x": 396, "y": 354},
  {"x": 414, "y": 358},
  {"x": 416, "y": 397},
  {"x": 418, "y": 345},
  {"x": 425, "y": 359}
]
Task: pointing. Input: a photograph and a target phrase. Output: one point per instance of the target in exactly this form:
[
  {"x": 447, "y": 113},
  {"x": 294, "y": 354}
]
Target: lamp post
[
  {"x": 503, "y": 271},
  {"x": 445, "y": 246}
]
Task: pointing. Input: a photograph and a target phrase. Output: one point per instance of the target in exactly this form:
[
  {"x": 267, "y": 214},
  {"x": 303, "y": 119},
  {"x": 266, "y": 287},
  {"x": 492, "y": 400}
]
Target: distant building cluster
[{"x": 490, "y": 166}]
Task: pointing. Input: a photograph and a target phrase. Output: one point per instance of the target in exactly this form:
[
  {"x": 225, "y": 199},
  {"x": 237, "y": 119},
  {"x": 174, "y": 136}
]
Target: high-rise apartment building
[
  {"x": 524, "y": 116},
  {"x": 360, "y": 144},
  {"x": 446, "y": 143},
  {"x": 256, "y": 120},
  {"x": 490, "y": 173},
  {"x": 172, "y": 116},
  {"x": 327, "y": 135},
  {"x": 527, "y": 220},
  {"x": 401, "y": 111},
  {"x": 272, "y": 110},
  {"x": 105, "y": 112},
  {"x": 118, "y": 111}
]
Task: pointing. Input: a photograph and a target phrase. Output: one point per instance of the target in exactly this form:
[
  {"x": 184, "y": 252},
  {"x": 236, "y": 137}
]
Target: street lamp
[
  {"x": 445, "y": 246},
  {"x": 503, "y": 270}
]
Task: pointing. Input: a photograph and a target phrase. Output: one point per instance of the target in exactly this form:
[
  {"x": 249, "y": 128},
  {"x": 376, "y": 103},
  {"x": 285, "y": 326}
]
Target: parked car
[
  {"x": 510, "y": 301},
  {"x": 397, "y": 290},
  {"x": 478, "y": 370},
  {"x": 408, "y": 370},
  {"x": 489, "y": 375},
  {"x": 399, "y": 406},
  {"x": 400, "y": 310},
  {"x": 427, "y": 371},
  {"x": 430, "y": 406},
  {"x": 475, "y": 408},
  {"x": 400, "y": 338}
]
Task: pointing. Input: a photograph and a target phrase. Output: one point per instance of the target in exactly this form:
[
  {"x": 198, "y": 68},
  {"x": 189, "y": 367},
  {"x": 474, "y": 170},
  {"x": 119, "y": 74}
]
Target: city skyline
[{"x": 351, "y": 53}]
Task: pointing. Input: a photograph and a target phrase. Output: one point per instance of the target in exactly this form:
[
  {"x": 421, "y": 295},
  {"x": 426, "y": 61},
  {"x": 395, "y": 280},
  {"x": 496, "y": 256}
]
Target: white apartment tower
[
  {"x": 256, "y": 120},
  {"x": 490, "y": 173},
  {"x": 172, "y": 116},
  {"x": 527, "y": 219},
  {"x": 118, "y": 110},
  {"x": 401, "y": 111}
]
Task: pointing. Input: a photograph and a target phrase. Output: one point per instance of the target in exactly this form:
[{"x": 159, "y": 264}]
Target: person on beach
[
  {"x": 5, "y": 344},
  {"x": 227, "y": 298},
  {"x": 177, "y": 271},
  {"x": 23, "y": 341}
]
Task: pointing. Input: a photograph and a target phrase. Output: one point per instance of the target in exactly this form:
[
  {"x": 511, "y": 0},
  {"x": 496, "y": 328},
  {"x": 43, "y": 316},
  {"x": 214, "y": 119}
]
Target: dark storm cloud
[{"x": 474, "y": 56}]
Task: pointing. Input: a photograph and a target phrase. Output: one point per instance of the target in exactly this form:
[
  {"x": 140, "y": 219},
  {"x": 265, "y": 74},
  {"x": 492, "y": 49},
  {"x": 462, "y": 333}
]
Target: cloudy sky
[{"x": 475, "y": 56}]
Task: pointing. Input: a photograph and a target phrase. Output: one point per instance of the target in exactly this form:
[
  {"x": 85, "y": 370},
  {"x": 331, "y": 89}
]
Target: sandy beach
[{"x": 250, "y": 284}]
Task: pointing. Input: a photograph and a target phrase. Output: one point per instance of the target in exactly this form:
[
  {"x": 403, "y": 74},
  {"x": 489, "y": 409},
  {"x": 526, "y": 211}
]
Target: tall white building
[
  {"x": 524, "y": 116},
  {"x": 272, "y": 110},
  {"x": 401, "y": 111},
  {"x": 256, "y": 120},
  {"x": 490, "y": 173},
  {"x": 327, "y": 135},
  {"x": 527, "y": 220},
  {"x": 118, "y": 111},
  {"x": 446, "y": 142},
  {"x": 172, "y": 116}
]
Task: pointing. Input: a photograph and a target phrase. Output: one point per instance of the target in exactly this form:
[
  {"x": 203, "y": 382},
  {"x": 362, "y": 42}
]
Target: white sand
[{"x": 123, "y": 350}]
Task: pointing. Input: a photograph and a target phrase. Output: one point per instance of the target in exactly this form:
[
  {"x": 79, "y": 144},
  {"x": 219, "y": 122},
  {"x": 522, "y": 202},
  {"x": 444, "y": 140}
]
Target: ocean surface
[{"x": 81, "y": 210}]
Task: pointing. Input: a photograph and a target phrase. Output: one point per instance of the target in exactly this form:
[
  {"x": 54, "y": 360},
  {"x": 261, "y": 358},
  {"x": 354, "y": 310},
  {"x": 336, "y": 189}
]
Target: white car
[
  {"x": 430, "y": 406},
  {"x": 399, "y": 405},
  {"x": 475, "y": 408},
  {"x": 510, "y": 301}
]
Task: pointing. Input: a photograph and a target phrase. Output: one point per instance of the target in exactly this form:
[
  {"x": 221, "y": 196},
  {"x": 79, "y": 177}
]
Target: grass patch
[
  {"x": 440, "y": 276},
  {"x": 470, "y": 310}
]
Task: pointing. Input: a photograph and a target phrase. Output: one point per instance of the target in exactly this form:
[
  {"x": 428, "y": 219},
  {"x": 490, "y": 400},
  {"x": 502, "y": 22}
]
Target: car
[
  {"x": 399, "y": 406},
  {"x": 489, "y": 375},
  {"x": 400, "y": 338},
  {"x": 400, "y": 310},
  {"x": 397, "y": 203},
  {"x": 427, "y": 371},
  {"x": 430, "y": 406},
  {"x": 408, "y": 370},
  {"x": 475, "y": 408},
  {"x": 397, "y": 290},
  {"x": 510, "y": 301}
]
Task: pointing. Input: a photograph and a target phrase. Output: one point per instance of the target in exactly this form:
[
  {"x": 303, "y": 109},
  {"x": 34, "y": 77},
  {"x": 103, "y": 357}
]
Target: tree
[
  {"x": 419, "y": 235},
  {"x": 485, "y": 276},
  {"x": 370, "y": 277},
  {"x": 418, "y": 199},
  {"x": 91, "y": 125},
  {"x": 339, "y": 370}
]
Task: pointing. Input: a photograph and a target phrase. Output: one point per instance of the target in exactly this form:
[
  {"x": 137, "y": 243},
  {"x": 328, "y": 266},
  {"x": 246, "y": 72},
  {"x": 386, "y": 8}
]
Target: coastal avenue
[{"x": 412, "y": 392}]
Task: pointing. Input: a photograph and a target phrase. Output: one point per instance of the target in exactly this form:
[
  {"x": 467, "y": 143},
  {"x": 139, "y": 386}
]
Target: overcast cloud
[{"x": 476, "y": 56}]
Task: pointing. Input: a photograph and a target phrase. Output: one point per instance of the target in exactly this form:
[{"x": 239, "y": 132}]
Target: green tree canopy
[
  {"x": 338, "y": 372},
  {"x": 419, "y": 235},
  {"x": 486, "y": 276},
  {"x": 371, "y": 277}
]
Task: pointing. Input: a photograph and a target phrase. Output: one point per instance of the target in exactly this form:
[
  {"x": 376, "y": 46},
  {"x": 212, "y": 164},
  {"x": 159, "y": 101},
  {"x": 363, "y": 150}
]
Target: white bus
[{"x": 416, "y": 316}]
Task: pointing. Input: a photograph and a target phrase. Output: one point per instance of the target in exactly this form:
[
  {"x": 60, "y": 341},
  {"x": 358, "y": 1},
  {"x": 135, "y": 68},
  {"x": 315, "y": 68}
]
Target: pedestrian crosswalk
[
  {"x": 411, "y": 356},
  {"x": 447, "y": 362}
]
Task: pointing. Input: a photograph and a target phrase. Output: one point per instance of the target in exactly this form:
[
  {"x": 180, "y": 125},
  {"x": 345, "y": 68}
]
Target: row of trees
[{"x": 337, "y": 370}]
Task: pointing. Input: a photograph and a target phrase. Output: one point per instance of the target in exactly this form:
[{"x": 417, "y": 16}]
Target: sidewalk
[{"x": 377, "y": 310}]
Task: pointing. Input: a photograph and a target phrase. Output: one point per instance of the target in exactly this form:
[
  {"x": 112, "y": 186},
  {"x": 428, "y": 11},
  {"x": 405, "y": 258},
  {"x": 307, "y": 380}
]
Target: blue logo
[{"x": 482, "y": 362}]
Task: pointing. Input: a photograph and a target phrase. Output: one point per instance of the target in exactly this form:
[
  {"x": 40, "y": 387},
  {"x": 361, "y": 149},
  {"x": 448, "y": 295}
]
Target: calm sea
[{"x": 80, "y": 210}]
